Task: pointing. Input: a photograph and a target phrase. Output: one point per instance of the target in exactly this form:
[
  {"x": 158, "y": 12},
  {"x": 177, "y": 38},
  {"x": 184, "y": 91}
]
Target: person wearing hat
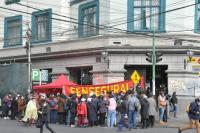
[
  {"x": 194, "y": 112},
  {"x": 82, "y": 112}
]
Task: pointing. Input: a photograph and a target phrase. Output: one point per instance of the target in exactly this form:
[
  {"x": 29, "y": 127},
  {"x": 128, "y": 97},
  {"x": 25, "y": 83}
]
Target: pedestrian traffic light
[
  {"x": 149, "y": 57},
  {"x": 158, "y": 57}
]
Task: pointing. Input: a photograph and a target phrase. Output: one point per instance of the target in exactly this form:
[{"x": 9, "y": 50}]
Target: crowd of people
[{"x": 106, "y": 110}]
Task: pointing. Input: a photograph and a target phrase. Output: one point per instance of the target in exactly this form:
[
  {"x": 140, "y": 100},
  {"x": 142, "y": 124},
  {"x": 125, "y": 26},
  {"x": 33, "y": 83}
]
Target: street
[{"x": 9, "y": 126}]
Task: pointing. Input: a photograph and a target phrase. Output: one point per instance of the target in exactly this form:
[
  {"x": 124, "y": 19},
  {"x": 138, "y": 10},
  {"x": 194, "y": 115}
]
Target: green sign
[
  {"x": 36, "y": 74},
  {"x": 8, "y": 2}
]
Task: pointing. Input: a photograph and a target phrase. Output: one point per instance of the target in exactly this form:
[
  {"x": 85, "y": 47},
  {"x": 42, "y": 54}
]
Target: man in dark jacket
[
  {"x": 194, "y": 113},
  {"x": 43, "y": 115},
  {"x": 122, "y": 109},
  {"x": 144, "y": 111}
]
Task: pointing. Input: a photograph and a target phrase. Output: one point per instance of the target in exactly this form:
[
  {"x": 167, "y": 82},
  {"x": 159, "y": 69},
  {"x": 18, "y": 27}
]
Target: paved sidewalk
[{"x": 180, "y": 121}]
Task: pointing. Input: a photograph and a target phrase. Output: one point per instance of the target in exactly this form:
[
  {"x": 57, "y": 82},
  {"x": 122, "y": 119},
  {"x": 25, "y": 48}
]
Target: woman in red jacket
[{"x": 82, "y": 112}]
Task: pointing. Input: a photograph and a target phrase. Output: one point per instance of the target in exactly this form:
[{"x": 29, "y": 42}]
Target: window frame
[
  {"x": 196, "y": 23},
  {"x": 81, "y": 15},
  {"x": 6, "y": 21},
  {"x": 33, "y": 25},
  {"x": 161, "y": 18}
]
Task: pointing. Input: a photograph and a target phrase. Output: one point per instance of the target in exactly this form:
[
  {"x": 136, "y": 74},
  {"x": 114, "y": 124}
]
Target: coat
[
  {"x": 194, "y": 111},
  {"x": 152, "y": 106},
  {"x": 82, "y": 109},
  {"x": 144, "y": 109},
  {"x": 102, "y": 106},
  {"x": 44, "y": 115},
  {"x": 61, "y": 102},
  {"x": 92, "y": 114}
]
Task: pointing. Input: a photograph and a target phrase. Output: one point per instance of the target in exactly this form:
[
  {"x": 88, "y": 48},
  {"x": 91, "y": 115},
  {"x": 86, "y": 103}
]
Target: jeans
[
  {"x": 121, "y": 123},
  {"x": 161, "y": 113},
  {"x": 111, "y": 118},
  {"x": 67, "y": 118},
  {"x": 132, "y": 119},
  {"x": 53, "y": 116}
]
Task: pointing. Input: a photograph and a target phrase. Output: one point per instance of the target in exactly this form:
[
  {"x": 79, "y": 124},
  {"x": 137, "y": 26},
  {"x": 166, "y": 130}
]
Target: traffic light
[
  {"x": 158, "y": 56},
  {"x": 149, "y": 57}
]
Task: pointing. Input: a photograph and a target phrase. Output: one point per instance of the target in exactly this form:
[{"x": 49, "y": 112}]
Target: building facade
[{"x": 104, "y": 41}]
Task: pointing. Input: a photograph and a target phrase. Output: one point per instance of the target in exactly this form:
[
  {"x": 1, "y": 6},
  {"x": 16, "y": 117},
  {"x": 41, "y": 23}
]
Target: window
[
  {"x": 41, "y": 26},
  {"x": 89, "y": 19},
  {"x": 146, "y": 15},
  {"x": 13, "y": 31},
  {"x": 197, "y": 16}
]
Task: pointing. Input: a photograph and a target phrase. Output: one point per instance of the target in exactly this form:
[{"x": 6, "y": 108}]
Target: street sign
[
  {"x": 36, "y": 74},
  {"x": 8, "y": 2},
  {"x": 135, "y": 77}
]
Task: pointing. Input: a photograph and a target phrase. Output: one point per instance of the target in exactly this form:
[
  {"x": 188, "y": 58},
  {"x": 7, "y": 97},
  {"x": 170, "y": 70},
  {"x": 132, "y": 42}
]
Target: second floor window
[
  {"x": 89, "y": 19},
  {"x": 41, "y": 26},
  {"x": 13, "y": 31},
  {"x": 197, "y": 16},
  {"x": 146, "y": 15}
]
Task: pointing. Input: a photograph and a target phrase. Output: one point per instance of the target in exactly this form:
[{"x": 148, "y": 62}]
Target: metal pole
[
  {"x": 154, "y": 65},
  {"x": 29, "y": 57}
]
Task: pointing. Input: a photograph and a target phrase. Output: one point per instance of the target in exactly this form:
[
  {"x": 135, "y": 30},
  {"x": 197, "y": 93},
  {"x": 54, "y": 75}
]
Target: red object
[
  {"x": 57, "y": 85},
  {"x": 142, "y": 82}
]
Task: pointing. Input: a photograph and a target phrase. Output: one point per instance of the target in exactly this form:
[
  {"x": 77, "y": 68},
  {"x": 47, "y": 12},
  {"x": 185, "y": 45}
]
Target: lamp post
[{"x": 104, "y": 55}]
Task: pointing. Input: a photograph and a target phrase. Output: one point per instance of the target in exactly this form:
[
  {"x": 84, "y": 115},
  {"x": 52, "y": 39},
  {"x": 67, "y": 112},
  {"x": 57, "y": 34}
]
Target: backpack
[{"x": 188, "y": 108}]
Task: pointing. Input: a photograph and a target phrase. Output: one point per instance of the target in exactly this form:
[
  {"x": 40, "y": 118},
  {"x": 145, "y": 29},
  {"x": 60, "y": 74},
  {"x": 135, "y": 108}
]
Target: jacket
[
  {"x": 82, "y": 109},
  {"x": 132, "y": 101},
  {"x": 152, "y": 106},
  {"x": 194, "y": 111}
]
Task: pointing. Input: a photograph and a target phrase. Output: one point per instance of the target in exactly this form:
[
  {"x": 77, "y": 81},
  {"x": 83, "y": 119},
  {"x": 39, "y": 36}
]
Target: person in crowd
[
  {"x": 112, "y": 105},
  {"x": 53, "y": 108},
  {"x": 67, "y": 111},
  {"x": 194, "y": 112},
  {"x": 21, "y": 106},
  {"x": 61, "y": 103},
  {"x": 102, "y": 110},
  {"x": 122, "y": 109},
  {"x": 31, "y": 111},
  {"x": 92, "y": 115},
  {"x": 162, "y": 106},
  {"x": 133, "y": 108},
  {"x": 95, "y": 101},
  {"x": 43, "y": 114},
  {"x": 6, "y": 106},
  {"x": 73, "y": 110},
  {"x": 82, "y": 112},
  {"x": 144, "y": 111},
  {"x": 174, "y": 103},
  {"x": 14, "y": 108},
  {"x": 152, "y": 110}
]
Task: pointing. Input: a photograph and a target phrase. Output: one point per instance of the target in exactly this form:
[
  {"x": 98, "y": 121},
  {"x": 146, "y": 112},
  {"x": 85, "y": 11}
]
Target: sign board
[
  {"x": 98, "y": 89},
  {"x": 38, "y": 75},
  {"x": 135, "y": 77},
  {"x": 8, "y": 2}
]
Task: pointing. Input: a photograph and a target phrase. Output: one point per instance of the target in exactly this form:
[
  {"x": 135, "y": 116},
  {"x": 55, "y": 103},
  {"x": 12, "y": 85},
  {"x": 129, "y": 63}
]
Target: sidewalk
[{"x": 180, "y": 121}]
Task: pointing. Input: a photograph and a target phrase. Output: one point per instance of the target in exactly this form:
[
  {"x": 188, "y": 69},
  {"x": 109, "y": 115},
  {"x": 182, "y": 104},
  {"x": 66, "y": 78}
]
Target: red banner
[{"x": 98, "y": 89}]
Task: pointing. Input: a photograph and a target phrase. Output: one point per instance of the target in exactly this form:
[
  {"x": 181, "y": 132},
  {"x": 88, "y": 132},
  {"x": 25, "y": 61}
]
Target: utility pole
[
  {"x": 154, "y": 64},
  {"x": 28, "y": 47}
]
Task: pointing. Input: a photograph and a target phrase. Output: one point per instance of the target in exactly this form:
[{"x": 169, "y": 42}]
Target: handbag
[{"x": 39, "y": 123}]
